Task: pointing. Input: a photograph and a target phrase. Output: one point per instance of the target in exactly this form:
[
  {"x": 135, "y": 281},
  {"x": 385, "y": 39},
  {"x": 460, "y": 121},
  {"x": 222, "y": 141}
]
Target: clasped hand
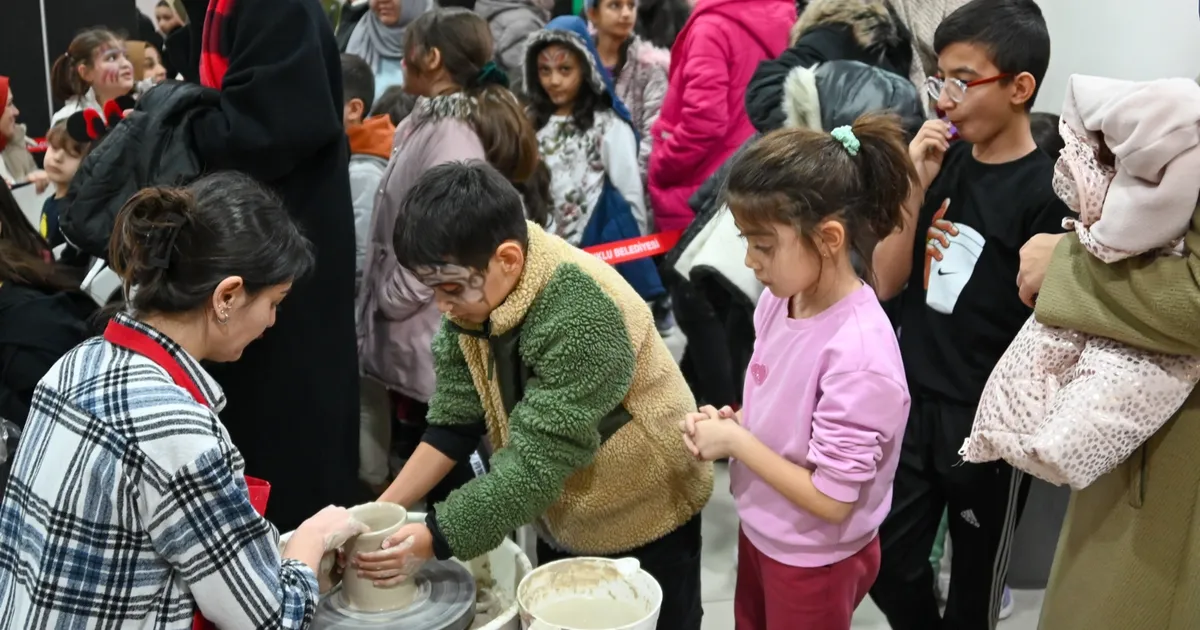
[{"x": 712, "y": 433}]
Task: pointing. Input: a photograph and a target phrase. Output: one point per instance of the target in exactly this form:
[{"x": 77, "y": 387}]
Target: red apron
[{"x": 137, "y": 341}]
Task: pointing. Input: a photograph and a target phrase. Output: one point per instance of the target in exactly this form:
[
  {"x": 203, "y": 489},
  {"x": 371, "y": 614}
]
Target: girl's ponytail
[
  {"x": 64, "y": 80},
  {"x": 885, "y": 170},
  {"x": 508, "y": 138},
  {"x": 886, "y": 177},
  {"x": 506, "y": 133},
  {"x": 465, "y": 42}
]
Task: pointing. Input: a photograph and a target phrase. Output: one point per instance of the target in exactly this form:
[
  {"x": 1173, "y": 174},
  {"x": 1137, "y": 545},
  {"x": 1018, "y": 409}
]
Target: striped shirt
[{"x": 127, "y": 506}]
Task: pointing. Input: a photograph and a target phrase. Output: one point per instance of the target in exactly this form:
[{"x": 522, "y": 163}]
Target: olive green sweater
[
  {"x": 1146, "y": 302},
  {"x": 582, "y": 402}
]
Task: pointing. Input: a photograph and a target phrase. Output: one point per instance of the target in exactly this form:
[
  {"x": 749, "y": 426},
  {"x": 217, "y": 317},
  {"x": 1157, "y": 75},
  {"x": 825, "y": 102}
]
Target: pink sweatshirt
[{"x": 829, "y": 394}]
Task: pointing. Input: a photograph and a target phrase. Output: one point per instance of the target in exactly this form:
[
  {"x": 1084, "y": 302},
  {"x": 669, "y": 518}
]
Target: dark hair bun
[
  {"x": 177, "y": 245},
  {"x": 145, "y": 232}
]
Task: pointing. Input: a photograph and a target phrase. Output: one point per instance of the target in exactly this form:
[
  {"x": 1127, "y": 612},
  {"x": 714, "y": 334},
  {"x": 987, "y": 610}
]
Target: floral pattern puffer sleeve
[{"x": 642, "y": 85}]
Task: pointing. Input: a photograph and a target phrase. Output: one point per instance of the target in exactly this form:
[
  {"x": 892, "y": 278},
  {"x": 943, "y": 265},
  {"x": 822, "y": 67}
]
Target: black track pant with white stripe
[{"x": 985, "y": 502}]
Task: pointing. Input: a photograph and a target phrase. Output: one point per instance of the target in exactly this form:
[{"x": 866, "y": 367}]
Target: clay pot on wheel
[{"x": 383, "y": 519}]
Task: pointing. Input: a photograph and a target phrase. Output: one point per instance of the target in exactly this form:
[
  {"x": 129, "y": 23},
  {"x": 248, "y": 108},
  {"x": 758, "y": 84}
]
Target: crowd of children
[{"x": 508, "y": 378}]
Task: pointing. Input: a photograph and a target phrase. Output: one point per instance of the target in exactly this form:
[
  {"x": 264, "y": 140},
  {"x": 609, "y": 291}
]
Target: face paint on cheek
[{"x": 468, "y": 283}]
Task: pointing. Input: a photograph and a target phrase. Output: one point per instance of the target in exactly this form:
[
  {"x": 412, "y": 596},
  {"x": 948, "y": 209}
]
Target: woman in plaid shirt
[{"x": 127, "y": 505}]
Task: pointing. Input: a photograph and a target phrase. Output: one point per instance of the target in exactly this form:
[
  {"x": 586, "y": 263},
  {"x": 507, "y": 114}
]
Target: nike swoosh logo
[{"x": 943, "y": 272}]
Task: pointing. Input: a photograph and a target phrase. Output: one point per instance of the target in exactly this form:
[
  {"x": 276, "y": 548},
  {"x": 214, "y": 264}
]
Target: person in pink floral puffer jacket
[
  {"x": 638, "y": 68},
  {"x": 703, "y": 118},
  {"x": 1069, "y": 407}
]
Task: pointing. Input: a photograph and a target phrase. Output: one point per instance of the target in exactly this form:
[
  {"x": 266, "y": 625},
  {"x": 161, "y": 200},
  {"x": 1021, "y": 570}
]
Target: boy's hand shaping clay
[{"x": 401, "y": 557}]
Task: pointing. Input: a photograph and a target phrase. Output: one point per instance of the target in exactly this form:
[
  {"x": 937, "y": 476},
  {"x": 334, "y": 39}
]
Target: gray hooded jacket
[{"x": 511, "y": 22}]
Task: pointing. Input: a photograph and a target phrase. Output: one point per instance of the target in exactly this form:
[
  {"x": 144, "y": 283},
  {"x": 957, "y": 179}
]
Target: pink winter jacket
[{"x": 703, "y": 118}]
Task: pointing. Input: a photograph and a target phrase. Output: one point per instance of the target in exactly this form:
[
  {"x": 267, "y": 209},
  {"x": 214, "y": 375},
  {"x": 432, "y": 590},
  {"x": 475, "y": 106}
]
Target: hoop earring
[{"x": 223, "y": 318}]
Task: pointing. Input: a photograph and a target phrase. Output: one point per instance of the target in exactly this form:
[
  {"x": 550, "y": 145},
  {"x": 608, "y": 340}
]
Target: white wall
[
  {"x": 1123, "y": 39},
  {"x": 147, "y": 6}
]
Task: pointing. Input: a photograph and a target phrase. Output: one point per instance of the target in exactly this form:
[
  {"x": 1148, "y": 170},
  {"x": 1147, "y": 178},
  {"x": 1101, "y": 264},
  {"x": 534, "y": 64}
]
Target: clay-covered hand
[
  {"x": 717, "y": 439},
  {"x": 335, "y": 526},
  {"x": 319, "y": 535},
  {"x": 400, "y": 557},
  {"x": 329, "y": 574}
]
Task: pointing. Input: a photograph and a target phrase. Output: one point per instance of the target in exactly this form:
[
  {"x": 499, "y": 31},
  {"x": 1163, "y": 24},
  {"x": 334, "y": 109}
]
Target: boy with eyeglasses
[{"x": 985, "y": 189}]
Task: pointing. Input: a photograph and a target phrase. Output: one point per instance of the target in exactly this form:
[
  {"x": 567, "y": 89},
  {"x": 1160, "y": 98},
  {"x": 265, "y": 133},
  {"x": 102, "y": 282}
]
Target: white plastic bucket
[{"x": 589, "y": 594}]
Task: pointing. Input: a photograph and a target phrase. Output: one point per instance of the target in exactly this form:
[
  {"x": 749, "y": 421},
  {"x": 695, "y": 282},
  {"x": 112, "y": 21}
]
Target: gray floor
[{"x": 719, "y": 572}]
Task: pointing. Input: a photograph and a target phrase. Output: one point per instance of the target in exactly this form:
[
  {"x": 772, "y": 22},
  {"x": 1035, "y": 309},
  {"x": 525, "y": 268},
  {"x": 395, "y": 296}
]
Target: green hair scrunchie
[
  {"x": 845, "y": 135},
  {"x": 491, "y": 74}
]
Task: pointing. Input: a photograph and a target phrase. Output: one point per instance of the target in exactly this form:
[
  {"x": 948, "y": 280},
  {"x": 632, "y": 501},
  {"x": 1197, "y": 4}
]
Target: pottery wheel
[{"x": 445, "y": 601}]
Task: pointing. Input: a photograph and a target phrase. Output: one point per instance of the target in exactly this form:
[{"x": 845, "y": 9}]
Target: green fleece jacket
[{"x": 582, "y": 402}]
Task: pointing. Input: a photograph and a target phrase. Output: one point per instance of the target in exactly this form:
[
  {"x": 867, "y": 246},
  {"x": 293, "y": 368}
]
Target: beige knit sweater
[{"x": 17, "y": 161}]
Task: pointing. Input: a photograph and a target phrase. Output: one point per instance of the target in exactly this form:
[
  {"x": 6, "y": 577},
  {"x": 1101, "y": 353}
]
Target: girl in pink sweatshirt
[{"x": 816, "y": 445}]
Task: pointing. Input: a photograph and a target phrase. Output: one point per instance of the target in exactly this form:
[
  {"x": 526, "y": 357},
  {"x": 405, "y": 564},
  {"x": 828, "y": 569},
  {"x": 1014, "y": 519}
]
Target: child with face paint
[
  {"x": 585, "y": 133},
  {"x": 553, "y": 358},
  {"x": 93, "y": 71},
  {"x": 588, "y": 141}
]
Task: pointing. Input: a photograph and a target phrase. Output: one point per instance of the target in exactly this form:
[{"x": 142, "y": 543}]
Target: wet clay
[
  {"x": 590, "y": 613},
  {"x": 382, "y": 519}
]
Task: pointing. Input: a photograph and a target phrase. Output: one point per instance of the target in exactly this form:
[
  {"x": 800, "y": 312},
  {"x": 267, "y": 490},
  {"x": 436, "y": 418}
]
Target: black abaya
[{"x": 293, "y": 397}]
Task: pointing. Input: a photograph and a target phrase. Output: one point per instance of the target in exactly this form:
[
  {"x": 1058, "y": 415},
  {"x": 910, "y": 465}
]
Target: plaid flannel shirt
[{"x": 127, "y": 506}]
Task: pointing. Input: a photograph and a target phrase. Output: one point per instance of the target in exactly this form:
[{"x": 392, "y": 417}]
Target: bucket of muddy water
[{"x": 589, "y": 594}]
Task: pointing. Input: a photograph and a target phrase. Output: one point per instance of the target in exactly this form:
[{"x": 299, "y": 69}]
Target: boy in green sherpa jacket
[{"x": 552, "y": 355}]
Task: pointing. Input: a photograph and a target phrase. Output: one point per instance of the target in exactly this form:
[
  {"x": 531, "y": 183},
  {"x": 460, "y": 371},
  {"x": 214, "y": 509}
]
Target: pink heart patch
[{"x": 759, "y": 372}]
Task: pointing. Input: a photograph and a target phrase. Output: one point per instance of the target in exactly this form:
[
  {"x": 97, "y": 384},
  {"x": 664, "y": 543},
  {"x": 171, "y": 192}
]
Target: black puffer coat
[
  {"x": 868, "y": 31},
  {"x": 151, "y": 147},
  {"x": 838, "y": 92}
]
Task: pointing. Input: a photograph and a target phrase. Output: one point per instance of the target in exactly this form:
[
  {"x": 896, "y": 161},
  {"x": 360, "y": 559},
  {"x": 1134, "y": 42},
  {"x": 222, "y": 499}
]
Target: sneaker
[{"x": 1006, "y": 604}]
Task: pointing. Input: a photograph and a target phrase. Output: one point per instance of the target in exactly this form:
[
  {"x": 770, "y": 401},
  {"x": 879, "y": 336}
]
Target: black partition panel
[
  {"x": 23, "y": 60},
  {"x": 23, "y": 49}
]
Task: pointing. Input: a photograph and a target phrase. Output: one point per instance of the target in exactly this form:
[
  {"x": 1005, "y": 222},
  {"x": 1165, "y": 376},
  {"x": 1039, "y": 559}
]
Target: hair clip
[
  {"x": 491, "y": 74},
  {"x": 163, "y": 247},
  {"x": 845, "y": 135}
]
